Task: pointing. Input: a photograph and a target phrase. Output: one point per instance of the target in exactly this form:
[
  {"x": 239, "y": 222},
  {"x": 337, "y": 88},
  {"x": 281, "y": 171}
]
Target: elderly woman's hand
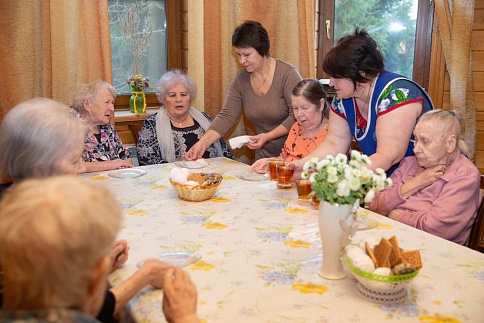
[
  {"x": 119, "y": 253},
  {"x": 155, "y": 270},
  {"x": 261, "y": 166},
  {"x": 180, "y": 297},
  {"x": 125, "y": 163},
  {"x": 423, "y": 179}
]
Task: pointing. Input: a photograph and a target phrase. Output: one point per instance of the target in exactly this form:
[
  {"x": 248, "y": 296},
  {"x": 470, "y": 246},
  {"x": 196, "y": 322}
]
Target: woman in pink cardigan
[{"x": 437, "y": 189}]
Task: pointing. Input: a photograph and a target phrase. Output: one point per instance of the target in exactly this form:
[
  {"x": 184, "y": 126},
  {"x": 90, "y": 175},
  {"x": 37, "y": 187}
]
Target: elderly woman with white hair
[
  {"x": 437, "y": 189},
  {"x": 168, "y": 134},
  {"x": 62, "y": 275},
  {"x": 27, "y": 135},
  {"x": 103, "y": 147}
]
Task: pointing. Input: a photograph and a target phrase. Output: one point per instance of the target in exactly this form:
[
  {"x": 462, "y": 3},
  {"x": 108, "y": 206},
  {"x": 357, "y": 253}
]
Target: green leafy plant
[{"x": 335, "y": 180}]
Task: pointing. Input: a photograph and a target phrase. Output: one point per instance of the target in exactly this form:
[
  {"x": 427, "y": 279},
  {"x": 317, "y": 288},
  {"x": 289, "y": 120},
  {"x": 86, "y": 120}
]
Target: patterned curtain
[{"x": 50, "y": 47}]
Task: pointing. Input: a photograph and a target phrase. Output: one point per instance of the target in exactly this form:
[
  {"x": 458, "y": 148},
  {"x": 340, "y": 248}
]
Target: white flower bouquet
[{"x": 337, "y": 181}]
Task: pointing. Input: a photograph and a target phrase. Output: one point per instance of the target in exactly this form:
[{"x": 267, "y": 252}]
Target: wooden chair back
[{"x": 476, "y": 238}]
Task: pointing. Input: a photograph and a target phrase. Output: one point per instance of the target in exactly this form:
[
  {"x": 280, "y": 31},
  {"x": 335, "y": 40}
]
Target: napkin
[{"x": 238, "y": 142}]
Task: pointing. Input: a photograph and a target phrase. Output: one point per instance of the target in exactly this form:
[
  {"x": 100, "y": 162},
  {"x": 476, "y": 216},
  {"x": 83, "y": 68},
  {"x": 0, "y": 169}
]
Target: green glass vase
[{"x": 137, "y": 102}]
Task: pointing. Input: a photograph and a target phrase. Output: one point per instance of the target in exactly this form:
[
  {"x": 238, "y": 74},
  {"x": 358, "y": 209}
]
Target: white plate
[
  {"x": 253, "y": 177},
  {"x": 127, "y": 173},
  {"x": 192, "y": 164},
  {"x": 181, "y": 259}
]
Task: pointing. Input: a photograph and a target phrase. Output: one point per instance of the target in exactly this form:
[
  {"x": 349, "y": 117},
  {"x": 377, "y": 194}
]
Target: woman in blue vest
[{"x": 376, "y": 107}]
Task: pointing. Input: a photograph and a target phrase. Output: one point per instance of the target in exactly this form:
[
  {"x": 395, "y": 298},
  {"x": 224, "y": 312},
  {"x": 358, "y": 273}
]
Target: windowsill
[{"x": 126, "y": 115}]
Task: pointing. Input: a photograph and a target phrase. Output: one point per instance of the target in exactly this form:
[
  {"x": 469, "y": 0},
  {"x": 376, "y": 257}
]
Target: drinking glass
[
  {"x": 273, "y": 162},
  {"x": 285, "y": 171},
  {"x": 303, "y": 189}
]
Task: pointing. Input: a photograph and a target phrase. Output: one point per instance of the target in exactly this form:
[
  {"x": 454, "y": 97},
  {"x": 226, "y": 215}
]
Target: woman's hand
[
  {"x": 125, "y": 163},
  {"x": 180, "y": 297},
  {"x": 155, "y": 271},
  {"x": 261, "y": 166},
  {"x": 298, "y": 166},
  {"x": 258, "y": 141},
  {"x": 119, "y": 253},
  {"x": 423, "y": 179},
  {"x": 197, "y": 151}
]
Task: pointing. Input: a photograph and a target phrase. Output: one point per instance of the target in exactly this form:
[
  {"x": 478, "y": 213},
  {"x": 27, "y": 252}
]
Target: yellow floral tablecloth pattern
[{"x": 261, "y": 250}]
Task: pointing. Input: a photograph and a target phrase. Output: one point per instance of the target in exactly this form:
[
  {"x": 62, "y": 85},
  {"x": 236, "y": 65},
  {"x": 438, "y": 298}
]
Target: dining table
[{"x": 255, "y": 252}]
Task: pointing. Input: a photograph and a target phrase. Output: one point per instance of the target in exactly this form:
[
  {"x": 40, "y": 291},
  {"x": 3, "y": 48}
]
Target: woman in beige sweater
[{"x": 262, "y": 89}]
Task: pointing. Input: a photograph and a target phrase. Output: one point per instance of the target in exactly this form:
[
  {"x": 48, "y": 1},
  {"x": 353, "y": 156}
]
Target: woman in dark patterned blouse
[
  {"x": 177, "y": 126},
  {"x": 103, "y": 149}
]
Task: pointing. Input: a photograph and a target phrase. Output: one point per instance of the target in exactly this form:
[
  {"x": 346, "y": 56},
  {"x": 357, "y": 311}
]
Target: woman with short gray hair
[
  {"x": 177, "y": 126},
  {"x": 40, "y": 138},
  {"x": 55, "y": 250},
  {"x": 103, "y": 147}
]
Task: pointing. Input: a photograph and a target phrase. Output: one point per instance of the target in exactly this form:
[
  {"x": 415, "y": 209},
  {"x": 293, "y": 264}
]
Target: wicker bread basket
[{"x": 208, "y": 184}]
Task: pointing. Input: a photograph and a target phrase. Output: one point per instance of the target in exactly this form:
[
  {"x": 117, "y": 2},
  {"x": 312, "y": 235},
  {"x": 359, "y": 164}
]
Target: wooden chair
[
  {"x": 476, "y": 238},
  {"x": 135, "y": 128}
]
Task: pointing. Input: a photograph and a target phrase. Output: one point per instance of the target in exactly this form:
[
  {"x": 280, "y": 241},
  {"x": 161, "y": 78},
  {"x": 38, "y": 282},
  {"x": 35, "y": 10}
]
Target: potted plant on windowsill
[{"x": 340, "y": 186}]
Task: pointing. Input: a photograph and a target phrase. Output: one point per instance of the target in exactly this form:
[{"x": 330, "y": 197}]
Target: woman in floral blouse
[
  {"x": 376, "y": 107},
  {"x": 103, "y": 149}
]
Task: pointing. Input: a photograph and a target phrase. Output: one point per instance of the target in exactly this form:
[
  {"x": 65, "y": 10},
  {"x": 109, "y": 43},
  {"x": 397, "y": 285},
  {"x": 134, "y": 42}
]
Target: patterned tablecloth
[{"x": 260, "y": 251}]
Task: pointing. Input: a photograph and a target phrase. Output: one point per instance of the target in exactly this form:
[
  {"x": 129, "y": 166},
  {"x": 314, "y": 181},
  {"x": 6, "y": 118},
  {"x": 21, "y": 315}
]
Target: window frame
[
  {"x": 174, "y": 50},
  {"x": 423, "y": 39}
]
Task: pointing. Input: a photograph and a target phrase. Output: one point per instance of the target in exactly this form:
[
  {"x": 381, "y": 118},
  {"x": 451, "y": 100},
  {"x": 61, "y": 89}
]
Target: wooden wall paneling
[
  {"x": 478, "y": 19},
  {"x": 477, "y": 42},
  {"x": 477, "y": 61},
  {"x": 478, "y": 78},
  {"x": 479, "y": 97}
]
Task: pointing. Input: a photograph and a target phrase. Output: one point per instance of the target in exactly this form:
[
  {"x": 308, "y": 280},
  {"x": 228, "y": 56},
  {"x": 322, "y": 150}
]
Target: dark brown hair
[
  {"x": 354, "y": 54},
  {"x": 252, "y": 34}
]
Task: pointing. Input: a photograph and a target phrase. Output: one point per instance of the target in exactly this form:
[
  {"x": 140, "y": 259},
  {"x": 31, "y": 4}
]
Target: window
[
  {"x": 156, "y": 25},
  {"x": 402, "y": 29}
]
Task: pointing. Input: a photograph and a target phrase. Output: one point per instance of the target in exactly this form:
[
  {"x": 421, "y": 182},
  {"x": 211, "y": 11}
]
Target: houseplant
[{"x": 340, "y": 185}]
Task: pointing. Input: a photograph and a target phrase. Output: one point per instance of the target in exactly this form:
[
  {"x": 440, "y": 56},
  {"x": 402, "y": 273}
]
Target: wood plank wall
[{"x": 477, "y": 54}]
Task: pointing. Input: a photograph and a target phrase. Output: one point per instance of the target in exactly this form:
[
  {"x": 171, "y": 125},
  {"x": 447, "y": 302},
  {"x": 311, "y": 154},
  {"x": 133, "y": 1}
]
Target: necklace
[
  {"x": 264, "y": 81},
  {"x": 180, "y": 123},
  {"x": 367, "y": 102}
]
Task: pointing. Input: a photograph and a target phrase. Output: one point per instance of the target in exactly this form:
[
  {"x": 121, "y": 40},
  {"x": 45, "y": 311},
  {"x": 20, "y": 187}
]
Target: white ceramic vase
[{"x": 336, "y": 226}]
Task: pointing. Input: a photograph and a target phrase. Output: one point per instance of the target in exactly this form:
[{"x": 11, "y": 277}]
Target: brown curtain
[
  {"x": 48, "y": 48},
  {"x": 290, "y": 24},
  {"x": 454, "y": 22}
]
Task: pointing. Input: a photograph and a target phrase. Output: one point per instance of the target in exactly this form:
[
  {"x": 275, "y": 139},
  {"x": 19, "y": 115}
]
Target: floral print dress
[{"x": 108, "y": 147}]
